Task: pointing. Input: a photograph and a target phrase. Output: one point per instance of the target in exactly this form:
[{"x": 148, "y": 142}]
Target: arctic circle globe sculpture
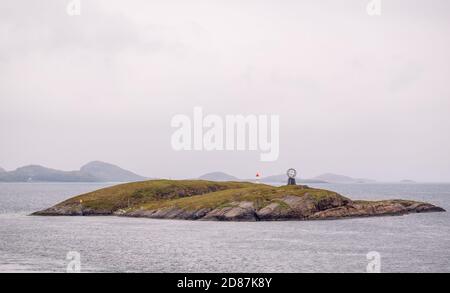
[{"x": 291, "y": 173}]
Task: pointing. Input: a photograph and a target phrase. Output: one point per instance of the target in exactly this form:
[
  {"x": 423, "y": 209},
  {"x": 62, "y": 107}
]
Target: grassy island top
[
  {"x": 187, "y": 194},
  {"x": 227, "y": 201}
]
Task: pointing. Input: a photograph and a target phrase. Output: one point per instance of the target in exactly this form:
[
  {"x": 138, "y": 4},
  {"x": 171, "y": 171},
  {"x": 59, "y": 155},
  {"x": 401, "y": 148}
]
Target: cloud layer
[{"x": 359, "y": 95}]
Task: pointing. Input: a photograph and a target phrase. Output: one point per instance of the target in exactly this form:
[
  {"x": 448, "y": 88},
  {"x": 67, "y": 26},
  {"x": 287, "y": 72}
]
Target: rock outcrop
[{"x": 228, "y": 201}]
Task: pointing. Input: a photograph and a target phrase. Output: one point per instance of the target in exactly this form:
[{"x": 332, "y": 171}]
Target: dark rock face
[
  {"x": 292, "y": 208},
  {"x": 170, "y": 213},
  {"x": 237, "y": 211},
  {"x": 379, "y": 208},
  {"x": 73, "y": 211}
]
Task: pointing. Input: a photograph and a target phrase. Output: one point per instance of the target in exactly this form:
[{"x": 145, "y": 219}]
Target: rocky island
[{"x": 227, "y": 201}]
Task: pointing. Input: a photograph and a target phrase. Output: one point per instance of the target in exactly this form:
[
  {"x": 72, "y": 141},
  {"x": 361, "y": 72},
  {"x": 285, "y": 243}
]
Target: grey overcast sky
[{"x": 365, "y": 96}]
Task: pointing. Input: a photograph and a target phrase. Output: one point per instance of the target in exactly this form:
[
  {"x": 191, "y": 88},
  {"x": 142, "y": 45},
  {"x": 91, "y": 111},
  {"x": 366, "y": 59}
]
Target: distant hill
[
  {"x": 218, "y": 176},
  {"x": 274, "y": 178},
  {"x": 108, "y": 172},
  {"x": 39, "y": 173},
  {"x": 2, "y": 170},
  {"x": 282, "y": 178},
  {"x": 335, "y": 178},
  {"x": 91, "y": 172}
]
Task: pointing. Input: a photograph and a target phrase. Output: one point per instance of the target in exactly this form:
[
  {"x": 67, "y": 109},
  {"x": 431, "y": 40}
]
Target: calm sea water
[{"x": 412, "y": 243}]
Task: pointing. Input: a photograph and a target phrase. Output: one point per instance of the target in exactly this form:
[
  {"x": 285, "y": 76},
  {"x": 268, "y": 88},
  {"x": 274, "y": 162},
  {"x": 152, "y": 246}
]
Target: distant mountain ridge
[
  {"x": 282, "y": 178},
  {"x": 109, "y": 172},
  {"x": 218, "y": 176},
  {"x": 335, "y": 178},
  {"x": 95, "y": 171}
]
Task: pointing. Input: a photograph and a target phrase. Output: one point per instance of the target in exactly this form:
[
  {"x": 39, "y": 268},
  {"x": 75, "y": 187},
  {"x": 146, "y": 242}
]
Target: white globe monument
[{"x": 291, "y": 173}]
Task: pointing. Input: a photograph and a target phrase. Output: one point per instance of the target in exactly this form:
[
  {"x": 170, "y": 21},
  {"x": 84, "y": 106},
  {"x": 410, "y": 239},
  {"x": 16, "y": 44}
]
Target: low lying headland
[{"x": 227, "y": 201}]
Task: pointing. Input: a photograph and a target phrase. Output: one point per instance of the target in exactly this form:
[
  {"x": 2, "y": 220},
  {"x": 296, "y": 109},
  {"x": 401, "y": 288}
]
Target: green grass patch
[{"x": 189, "y": 195}]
